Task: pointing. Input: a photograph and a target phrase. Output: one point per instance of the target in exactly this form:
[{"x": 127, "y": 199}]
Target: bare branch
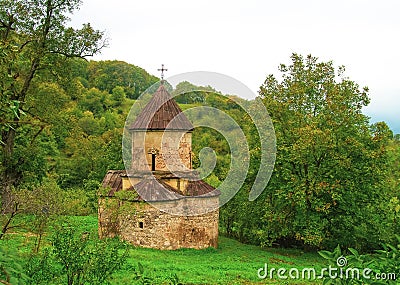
[
  {"x": 37, "y": 133},
  {"x": 24, "y": 44}
]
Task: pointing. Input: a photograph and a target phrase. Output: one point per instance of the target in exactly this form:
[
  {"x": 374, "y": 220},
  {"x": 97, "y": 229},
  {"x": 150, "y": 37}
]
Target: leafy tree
[
  {"x": 34, "y": 43},
  {"x": 43, "y": 203},
  {"x": 90, "y": 156},
  {"x": 95, "y": 101},
  {"x": 118, "y": 95},
  {"x": 328, "y": 183},
  {"x": 393, "y": 181}
]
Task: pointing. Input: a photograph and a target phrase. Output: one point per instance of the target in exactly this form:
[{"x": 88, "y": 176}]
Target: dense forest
[{"x": 336, "y": 177}]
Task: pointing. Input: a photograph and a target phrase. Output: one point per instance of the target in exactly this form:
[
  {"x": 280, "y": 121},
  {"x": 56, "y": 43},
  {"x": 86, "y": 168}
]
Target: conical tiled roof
[{"x": 161, "y": 113}]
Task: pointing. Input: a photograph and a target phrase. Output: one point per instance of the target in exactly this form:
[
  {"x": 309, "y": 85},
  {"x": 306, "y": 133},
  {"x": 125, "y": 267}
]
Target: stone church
[{"x": 160, "y": 201}]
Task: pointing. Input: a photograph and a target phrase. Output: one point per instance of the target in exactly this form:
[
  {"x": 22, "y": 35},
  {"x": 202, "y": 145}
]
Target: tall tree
[
  {"x": 327, "y": 185},
  {"x": 35, "y": 41}
]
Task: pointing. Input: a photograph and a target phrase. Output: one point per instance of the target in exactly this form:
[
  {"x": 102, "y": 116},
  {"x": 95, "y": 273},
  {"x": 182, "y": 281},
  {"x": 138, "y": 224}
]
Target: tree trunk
[
  {"x": 8, "y": 175},
  {"x": 7, "y": 201},
  {"x": 6, "y": 226}
]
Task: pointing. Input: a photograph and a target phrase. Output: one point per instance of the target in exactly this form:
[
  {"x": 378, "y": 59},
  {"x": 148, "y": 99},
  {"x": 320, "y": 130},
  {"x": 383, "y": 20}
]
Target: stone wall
[
  {"x": 174, "y": 149},
  {"x": 144, "y": 225}
]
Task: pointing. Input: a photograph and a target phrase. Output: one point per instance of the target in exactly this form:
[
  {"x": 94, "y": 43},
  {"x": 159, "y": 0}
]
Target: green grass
[{"x": 231, "y": 263}]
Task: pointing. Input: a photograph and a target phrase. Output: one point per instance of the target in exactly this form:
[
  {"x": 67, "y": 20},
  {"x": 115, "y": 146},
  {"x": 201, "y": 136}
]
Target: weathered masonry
[{"x": 160, "y": 202}]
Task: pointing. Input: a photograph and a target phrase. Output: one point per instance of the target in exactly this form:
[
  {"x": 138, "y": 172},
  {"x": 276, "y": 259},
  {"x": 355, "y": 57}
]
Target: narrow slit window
[
  {"x": 153, "y": 151},
  {"x": 153, "y": 162},
  {"x": 141, "y": 225}
]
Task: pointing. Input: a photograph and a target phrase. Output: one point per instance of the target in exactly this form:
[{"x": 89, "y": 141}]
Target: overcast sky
[{"x": 248, "y": 39}]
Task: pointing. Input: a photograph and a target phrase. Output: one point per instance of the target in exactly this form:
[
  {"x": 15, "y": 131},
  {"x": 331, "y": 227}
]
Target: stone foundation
[{"x": 144, "y": 225}]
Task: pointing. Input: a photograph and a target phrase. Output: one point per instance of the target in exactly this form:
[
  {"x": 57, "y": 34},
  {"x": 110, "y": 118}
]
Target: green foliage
[
  {"x": 78, "y": 258},
  {"x": 335, "y": 178},
  {"x": 382, "y": 267},
  {"x": 92, "y": 144},
  {"x": 140, "y": 276},
  {"x": 328, "y": 184},
  {"x": 187, "y": 93},
  {"x": 11, "y": 269},
  {"x": 50, "y": 200},
  {"x": 207, "y": 137},
  {"x": 208, "y": 143},
  {"x": 90, "y": 157},
  {"x": 174, "y": 280},
  {"x": 118, "y": 95},
  {"x": 41, "y": 267},
  {"x": 34, "y": 45},
  {"x": 387, "y": 260},
  {"x": 107, "y": 75}
]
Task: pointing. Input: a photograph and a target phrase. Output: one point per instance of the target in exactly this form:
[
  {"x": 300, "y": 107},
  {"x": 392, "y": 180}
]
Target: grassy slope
[{"x": 231, "y": 263}]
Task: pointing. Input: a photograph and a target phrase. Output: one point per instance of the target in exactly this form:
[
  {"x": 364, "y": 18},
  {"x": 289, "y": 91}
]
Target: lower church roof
[{"x": 153, "y": 188}]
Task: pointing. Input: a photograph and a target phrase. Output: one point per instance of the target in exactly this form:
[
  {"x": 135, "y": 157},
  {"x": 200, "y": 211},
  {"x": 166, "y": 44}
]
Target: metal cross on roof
[{"x": 162, "y": 69}]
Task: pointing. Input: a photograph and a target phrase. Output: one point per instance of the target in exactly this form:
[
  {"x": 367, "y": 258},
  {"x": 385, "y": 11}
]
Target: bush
[
  {"x": 77, "y": 258},
  {"x": 11, "y": 270}
]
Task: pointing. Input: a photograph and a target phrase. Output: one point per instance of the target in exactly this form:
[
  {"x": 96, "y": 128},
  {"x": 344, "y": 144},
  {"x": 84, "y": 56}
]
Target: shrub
[{"x": 77, "y": 258}]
